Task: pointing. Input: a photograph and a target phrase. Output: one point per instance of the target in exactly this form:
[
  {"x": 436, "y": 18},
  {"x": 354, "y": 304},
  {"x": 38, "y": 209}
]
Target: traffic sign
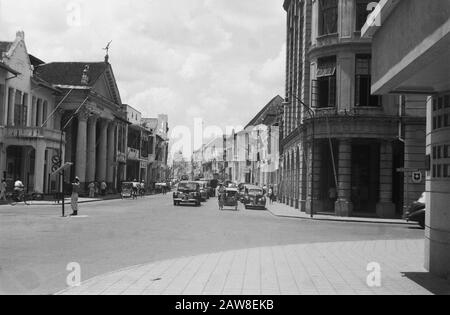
[
  {"x": 62, "y": 169},
  {"x": 417, "y": 177}
]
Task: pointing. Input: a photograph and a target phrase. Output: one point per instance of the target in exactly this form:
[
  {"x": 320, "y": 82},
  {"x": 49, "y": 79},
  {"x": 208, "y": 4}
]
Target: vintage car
[
  {"x": 254, "y": 198},
  {"x": 187, "y": 193},
  {"x": 229, "y": 198},
  {"x": 126, "y": 190},
  {"x": 204, "y": 192}
]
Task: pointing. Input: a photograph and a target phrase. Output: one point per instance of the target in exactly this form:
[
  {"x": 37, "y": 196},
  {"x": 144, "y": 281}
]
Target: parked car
[
  {"x": 417, "y": 211},
  {"x": 204, "y": 193},
  {"x": 187, "y": 193},
  {"x": 254, "y": 198}
]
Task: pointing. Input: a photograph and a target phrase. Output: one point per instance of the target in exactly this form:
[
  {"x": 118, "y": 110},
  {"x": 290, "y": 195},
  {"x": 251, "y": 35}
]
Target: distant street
[{"x": 36, "y": 244}]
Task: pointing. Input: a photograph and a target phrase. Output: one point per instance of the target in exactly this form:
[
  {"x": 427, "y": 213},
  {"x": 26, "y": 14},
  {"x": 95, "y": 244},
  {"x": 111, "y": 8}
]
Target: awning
[{"x": 326, "y": 71}]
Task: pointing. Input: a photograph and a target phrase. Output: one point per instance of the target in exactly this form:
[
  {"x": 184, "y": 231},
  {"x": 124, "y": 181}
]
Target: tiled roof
[
  {"x": 269, "y": 110},
  {"x": 4, "y": 47},
  {"x": 70, "y": 73}
]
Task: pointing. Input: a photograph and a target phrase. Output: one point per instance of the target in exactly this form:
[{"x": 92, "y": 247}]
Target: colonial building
[
  {"x": 419, "y": 65},
  {"x": 341, "y": 144},
  {"x": 90, "y": 112},
  {"x": 29, "y": 135}
]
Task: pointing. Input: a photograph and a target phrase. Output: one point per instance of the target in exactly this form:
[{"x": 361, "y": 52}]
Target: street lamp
[{"x": 312, "y": 115}]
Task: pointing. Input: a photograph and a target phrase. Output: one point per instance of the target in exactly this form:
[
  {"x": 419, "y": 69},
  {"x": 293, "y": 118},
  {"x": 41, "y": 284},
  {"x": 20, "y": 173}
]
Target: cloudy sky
[{"x": 221, "y": 60}]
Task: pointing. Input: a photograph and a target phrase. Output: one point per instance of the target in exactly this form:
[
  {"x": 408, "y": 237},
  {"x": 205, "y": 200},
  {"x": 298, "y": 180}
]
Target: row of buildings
[
  {"x": 250, "y": 155},
  {"x": 367, "y": 112},
  {"x": 71, "y": 112}
]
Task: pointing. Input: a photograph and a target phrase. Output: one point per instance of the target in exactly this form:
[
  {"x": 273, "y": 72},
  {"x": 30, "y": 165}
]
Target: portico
[{"x": 95, "y": 122}]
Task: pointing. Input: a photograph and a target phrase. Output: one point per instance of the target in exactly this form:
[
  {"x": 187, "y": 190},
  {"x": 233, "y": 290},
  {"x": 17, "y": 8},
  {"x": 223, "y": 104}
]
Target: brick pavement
[{"x": 317, "y": 269}]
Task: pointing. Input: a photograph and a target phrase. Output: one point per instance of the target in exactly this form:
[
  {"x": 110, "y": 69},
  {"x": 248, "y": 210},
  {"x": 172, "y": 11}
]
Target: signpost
[
  {"x": 416, "y": 178},
  {"x": 60, "y": 171}
]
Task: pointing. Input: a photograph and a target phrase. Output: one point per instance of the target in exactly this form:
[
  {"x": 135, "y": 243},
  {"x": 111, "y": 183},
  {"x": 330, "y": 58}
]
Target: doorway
[{"x": 365, "y": 177}]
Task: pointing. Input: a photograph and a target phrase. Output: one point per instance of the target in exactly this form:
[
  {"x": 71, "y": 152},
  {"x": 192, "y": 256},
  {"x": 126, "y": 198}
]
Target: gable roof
[
  {"x": 70, "y": 73},
  {"x": 270, "y": 110},
  {"x": 4, "y": 47}
]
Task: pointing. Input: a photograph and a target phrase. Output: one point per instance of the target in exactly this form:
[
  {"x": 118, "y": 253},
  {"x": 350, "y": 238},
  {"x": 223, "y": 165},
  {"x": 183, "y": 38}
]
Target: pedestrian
[
  {"x": 91, "y": 190},
  {"x": 143, "y": 189},
  {"x": 135, "y": 189},
  {"x": 103, "y": 188},
  {"x": 333, "y": 196},
  {"x": 271, "y": 195},
  {"x": 97, "y": 189},
  {"x": 3, "y": 186},
  {"x": 75, "y": 195}
]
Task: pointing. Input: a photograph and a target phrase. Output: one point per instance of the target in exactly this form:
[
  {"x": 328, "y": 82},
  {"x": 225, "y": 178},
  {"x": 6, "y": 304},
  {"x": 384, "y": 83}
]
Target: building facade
[
  {"x": 90, "y": 113},
  {"x": 29, "y": 135},
  {"x": 418, "y": 65},
  {"x": 341, "y": 145}
]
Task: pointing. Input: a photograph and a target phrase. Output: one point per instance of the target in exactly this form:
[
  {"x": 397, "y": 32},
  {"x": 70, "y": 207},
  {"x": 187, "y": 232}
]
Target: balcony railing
[
  {"x": 31, "y": 133},
  {"x": 133, "y": 154}
]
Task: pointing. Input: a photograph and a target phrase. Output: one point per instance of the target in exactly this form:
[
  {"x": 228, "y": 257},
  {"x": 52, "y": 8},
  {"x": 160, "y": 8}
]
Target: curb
[{"x": 349, "y": 220}]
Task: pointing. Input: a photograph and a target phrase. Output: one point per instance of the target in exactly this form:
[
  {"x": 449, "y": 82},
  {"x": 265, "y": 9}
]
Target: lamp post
[{"x": 312, "y": 115}]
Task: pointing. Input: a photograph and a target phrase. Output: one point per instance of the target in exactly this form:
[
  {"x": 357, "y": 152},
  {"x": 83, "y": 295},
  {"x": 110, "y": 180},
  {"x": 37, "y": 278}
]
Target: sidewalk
[
  {"x": 311, "y": 269},
  {"x": 282, "y": 210}
]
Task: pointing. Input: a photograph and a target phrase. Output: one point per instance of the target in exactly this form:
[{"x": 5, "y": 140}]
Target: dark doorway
[
  {"x": 365, "y": 177},
  {"x": 328, "y": 190}
]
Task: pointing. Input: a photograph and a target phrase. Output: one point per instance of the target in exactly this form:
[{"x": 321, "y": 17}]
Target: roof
[
  {"x": 35, "y": 61},
  {"x": 270, "y": 110},
  {"x": 70, "y": 73},
  {"x": 5, "y": 46}
]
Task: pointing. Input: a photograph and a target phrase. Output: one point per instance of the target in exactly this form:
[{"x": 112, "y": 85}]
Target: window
[
  {"x": 364, "y": 83},
  {"x": 2, "y": 103},
  {"x": 362, "y": 12},
  {"x": 326, "y": 83},
  {"x": 328, "y": 17}
]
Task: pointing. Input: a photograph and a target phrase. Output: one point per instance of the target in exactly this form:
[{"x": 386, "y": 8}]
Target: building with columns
[
  {"x": 411, "y": 55},
  {"x": 90, "y": 112},
  {"x": 29, "y": 135},
  {"x": 340, "y": 156}
]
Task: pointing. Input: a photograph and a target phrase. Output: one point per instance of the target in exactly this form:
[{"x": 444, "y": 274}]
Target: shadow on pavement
[{"x": 430, "y": 282}]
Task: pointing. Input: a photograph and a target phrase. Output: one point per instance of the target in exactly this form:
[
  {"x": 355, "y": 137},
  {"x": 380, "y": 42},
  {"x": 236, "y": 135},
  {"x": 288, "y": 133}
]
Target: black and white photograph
[{"x": 224, "y": 155}]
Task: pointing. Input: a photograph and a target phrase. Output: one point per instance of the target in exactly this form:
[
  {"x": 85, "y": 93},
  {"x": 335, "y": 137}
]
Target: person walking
[
  {"x": 75, "y": 195},
  {"x": 103, "y": 188},
  {"x": 270, "y": 195},
  {"x": 3, "y": 190},
  {"x": 91, "y": 190}
]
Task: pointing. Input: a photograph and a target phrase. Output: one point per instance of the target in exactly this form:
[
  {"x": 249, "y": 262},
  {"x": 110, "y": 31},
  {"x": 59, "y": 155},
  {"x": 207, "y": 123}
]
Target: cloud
[{"x": 219, "y": 60}]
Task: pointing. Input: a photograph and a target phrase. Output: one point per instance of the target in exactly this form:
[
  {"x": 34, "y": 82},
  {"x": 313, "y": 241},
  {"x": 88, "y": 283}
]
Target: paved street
[{"x": 36, "y": 245}]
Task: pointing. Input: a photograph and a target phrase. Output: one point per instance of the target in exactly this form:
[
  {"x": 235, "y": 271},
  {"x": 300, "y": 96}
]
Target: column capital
[
  {"x": 83, "y": 115},
  {"x": 93, "y": 118}
]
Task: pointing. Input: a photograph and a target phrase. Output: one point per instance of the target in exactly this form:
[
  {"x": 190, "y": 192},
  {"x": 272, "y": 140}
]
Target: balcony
[
  {"x": 31, "y": 133},
  {"x": 134, "y": 154}
]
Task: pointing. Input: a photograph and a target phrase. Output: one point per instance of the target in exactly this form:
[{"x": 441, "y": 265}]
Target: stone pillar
[
  {"x": 11, "y": 107},
  {"x": 92, "y": 149},
  {"x": 314, "y": 167},
  {"x": 386, "y": 208},
  {"x": 39, "y": 168},
  {"x": 102, "y": 151},
  {"x": 344, "y": 206},
  {"x": 111, "y": 151},
  {"x": 80, "y": 166}
]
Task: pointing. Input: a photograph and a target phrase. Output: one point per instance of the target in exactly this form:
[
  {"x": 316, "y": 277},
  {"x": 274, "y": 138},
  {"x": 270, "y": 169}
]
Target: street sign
[
  {"x": 62, "y": 169},
  {"x": 417, "y": 177}
]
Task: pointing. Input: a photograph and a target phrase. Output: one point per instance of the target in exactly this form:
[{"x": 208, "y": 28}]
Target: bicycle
[{"x": 17, "y": 197}]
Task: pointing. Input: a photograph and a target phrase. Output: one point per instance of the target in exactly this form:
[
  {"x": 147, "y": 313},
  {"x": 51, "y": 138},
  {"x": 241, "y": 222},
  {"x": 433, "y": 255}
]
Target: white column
[
  {"x": 102, "y": 151},
  {"x": 111, "y": 152},
  {"x": 80, "y": 166},
  {"x": 39, "y": 168},
  {"x": 91, "y": 149}
]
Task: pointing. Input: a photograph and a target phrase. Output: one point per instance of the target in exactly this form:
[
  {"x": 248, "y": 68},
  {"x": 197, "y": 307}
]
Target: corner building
[{"x": 343, "y": 157}]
